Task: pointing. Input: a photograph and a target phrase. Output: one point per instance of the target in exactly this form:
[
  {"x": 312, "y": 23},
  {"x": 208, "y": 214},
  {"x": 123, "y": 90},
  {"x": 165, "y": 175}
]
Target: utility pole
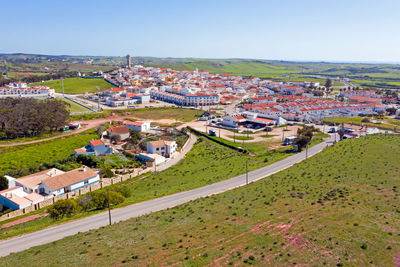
[
  {"x": 98, "y": 98},
  {"x": 283, "y": 134},
  {"x": 306, "y": 151},
  {"x": 247, "y": 173},
  {"x": 234, "y": 136},
  {"x": 109, "y": 210}
]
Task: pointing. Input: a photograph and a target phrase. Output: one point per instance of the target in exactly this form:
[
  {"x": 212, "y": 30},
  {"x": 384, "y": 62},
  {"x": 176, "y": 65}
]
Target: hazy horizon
[{"x": 303, "y": 31}]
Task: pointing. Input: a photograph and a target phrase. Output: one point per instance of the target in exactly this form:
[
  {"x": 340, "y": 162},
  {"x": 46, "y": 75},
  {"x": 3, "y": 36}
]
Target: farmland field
[
  {"x": 25, "y": 157},
  {"x": 338, "y": 208},
  {"x": 77, "y": 85}
]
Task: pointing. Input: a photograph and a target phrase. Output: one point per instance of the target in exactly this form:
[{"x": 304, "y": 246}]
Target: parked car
[
  {"x": 332, "y": 130},
  {"x": 290, "y": 123},
  {"x": 268, "y": 129}
]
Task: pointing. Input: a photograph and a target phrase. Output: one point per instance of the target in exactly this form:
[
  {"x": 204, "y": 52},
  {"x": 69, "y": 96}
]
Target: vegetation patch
[
  {"x": 77, "y": 85},
  {"x": 337, "y": 208}
]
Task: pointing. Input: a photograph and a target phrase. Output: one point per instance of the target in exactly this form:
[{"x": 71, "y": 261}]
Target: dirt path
[
  {"x": 87, "y": 125},
  {"x": 278, "y": 133}
]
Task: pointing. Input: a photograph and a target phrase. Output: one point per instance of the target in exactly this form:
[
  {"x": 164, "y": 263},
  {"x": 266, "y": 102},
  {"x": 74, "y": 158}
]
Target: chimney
[{"x": 84, "y": 168}]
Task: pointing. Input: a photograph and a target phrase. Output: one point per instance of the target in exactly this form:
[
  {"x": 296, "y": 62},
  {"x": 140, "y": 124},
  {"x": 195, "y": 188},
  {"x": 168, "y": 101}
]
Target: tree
[
  {"x": 304, "y": 136},
  {"x": 135, "y": 136},
  {"x": 115, "y": 138},
  {"x": 100, "y": 199},
  {"x": 341, "y": 132},
  {"x": 65, "y": 207},
  {"x": 89, "y": 160},
  {"x": 3, "y": 182},
  {"x": 328, "y": 83},
  {"x": 106, "y": 173}
]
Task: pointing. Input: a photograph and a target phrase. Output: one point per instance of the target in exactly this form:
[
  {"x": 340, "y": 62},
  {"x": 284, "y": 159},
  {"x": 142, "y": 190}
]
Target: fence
[
  {"x": 81, "y": 191},
  {"x": 84, "y": 190},
  {"x": 217, "y": 141}
]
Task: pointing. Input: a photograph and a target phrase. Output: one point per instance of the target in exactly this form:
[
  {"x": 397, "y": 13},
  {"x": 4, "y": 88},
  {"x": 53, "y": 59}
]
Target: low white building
[
  {"x": 16, "y": 198},
  {"x": 140, "y": 126},
  {"x": 68, "y": 181}
]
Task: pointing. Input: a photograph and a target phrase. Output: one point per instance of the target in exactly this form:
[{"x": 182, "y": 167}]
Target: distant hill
[{"x": 363, "y": 74}]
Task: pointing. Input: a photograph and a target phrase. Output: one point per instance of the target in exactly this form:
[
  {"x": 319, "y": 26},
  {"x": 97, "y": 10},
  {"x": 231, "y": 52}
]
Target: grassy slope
[
  {"x": 74, "y": 107},
  {"x": 77, "y": 85},
  {"x": 206, "y": 163},
  {"x": 358, "y": 121},
  {"x": 33, "y": 155},
  {"x": 338, "y": 207}
]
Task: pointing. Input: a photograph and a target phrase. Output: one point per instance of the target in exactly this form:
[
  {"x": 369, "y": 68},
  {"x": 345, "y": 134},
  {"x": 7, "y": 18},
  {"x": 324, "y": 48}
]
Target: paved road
[
  {"x": 93, "y": 222},
  {"x": 181, "y": 155}
]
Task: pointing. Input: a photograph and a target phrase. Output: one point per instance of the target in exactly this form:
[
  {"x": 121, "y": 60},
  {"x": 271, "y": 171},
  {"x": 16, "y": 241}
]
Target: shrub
[
  {"x": 106, "y": 173},
  {"x": 124, "y": 190},
  {"x": 365, "y": 120},
  {"x": 61, "y": 208},
  {"x": 3, "y": 182},
  {"x": 100, "y": 200}
]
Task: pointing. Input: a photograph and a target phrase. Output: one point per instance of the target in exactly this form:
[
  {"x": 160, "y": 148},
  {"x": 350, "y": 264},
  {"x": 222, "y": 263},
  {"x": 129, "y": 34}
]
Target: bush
[
  {"x": 86, "y": 202},
  {"x": 61, "y": 208},
  {"x": 106, "y": 173},
  {"x": 365, "y": 120},
  {"x": 100, "y": 200},
  {"x": 124, "y": 190}
]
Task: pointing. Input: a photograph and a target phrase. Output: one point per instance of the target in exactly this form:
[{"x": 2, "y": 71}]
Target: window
[{"x": 86, "y": 182}]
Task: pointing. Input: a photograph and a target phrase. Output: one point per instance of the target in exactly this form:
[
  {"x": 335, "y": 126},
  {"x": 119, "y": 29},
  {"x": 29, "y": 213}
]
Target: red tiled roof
[
  {"x": 96, "y": 142},
  {"x": 135, "y": 123}
]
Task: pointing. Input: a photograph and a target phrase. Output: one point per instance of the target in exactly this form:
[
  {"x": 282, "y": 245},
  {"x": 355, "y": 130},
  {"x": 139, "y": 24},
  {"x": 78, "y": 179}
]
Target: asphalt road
[{"x": 57, "y": 232}]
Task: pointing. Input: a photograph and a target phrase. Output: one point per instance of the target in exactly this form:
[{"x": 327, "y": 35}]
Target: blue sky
[{"x": 339, "y": 30}]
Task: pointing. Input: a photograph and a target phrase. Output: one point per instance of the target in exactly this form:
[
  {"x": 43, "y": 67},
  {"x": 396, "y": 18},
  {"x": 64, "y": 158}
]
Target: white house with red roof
[
  {"x": 140, "y": 126},
  {"x": 121, "y": 131},
  {"x": 233, "y": 121},
  {"x": 96, "y": 148}
]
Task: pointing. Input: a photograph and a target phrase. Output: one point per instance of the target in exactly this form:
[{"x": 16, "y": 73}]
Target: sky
[{"x": 302, "y": 30}]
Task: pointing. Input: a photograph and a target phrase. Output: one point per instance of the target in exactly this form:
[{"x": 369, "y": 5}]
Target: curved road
[{"x": 54, "y": 233}]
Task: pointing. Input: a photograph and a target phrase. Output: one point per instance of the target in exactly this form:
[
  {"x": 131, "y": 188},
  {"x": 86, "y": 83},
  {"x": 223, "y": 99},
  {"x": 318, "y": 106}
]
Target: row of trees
[
  {"x": 31, "y": 117},
  {"x": 96, "y": 200},
  {"x": 37, "y": 78}
]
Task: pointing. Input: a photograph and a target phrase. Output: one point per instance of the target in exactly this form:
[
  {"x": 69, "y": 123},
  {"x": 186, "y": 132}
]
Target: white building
[
  {"x": 16, "y": 198},
  {"x": 162, "y": 147},
  {"x": 22, "y": 90},
  {"x": 140, "y": 126},
  {"x": 68, "y": 181}
]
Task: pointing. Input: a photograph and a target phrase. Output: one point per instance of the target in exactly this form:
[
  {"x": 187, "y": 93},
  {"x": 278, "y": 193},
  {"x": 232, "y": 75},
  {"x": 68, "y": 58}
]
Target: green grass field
[
  {"x": 77, "y": 85},
  {"x": 74, "y": 107},
  {"x": 14, "y": 158},
  {"x": 241, "y": 137},
  {"x": 338, "y": 208}
]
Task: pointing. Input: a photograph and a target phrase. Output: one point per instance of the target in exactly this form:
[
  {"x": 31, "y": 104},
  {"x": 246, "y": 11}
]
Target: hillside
[
  {"x": 371, "y": 75},
  {"x": 339, "y": 207}
]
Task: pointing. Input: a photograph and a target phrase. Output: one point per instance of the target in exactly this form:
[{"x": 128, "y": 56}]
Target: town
[{"x": 200, "y": 133}]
